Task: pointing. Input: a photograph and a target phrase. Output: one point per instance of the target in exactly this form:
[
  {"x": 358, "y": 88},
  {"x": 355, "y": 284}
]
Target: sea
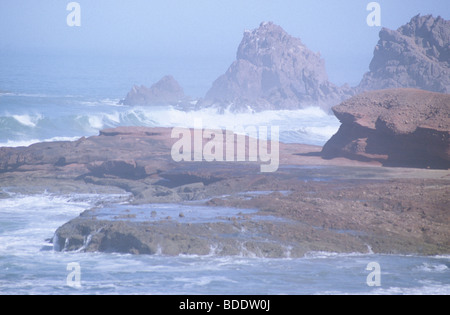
[{"x": 53, "y": 97}]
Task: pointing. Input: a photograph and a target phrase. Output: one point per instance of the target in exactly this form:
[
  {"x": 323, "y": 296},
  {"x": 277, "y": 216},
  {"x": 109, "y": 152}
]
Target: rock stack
[
  {"x": 167, "y": 91},
  {"x": 417, "y": 55},
  {"x": 274, "y": 70}
]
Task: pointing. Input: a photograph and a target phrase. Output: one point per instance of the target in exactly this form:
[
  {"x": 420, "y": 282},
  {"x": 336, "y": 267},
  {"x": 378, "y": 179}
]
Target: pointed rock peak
[
  {"x": 422, "y": 25},
  {"x": 269, "y": 26},
  {"x": 274, "y": 70},
  {"x": 266, "y": 30},
  {"x": 168, "y": 78},
  {"x": 266, "y": 42},
  {"x": 263, "y": 24}
]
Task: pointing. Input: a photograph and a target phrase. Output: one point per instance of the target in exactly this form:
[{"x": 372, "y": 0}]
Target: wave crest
[{"x": 307, "y": 126}]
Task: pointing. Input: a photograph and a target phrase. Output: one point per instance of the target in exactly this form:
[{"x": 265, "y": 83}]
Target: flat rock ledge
[
  {"x": 238, "y": 237},
  {"x": 295, "y": 215}
]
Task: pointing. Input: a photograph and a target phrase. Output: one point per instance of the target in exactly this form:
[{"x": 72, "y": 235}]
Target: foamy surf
[
  {"x": 28, "y": 120},
  {"x": 27, "y": 143},
  {"x": 306, "y": 126},
  {"x": 30, "y": 266}
]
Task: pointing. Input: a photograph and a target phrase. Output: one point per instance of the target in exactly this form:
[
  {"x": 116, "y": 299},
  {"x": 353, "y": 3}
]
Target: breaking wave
[{"x": 307, "y": 126}]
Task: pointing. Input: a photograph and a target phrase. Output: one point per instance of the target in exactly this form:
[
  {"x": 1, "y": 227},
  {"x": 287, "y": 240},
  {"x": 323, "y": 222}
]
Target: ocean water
[
  {"x": 29, "y": 265},
  {"x": 54, "y": 98},
  {"x": 51, "y": 98}
]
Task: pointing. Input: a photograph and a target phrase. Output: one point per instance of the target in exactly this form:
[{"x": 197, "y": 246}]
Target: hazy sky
[{"x": 204, "y": 33}]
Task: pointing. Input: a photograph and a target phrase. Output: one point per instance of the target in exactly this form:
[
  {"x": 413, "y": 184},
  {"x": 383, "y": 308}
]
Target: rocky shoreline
[
  {"x": 401, "y": 216},
  {"x": 309, "y": 204}
]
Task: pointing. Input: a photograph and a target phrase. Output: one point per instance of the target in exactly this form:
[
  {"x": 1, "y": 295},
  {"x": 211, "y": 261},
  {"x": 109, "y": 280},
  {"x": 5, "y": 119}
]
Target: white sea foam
[
  {"x": 189, "y": 282},
  {"x": 38, "y": 95},
  {"x": 28, "y": 120},
  {"x": 442, "y": 257},
  {"x": 27, "y": 143},
  {"x": 103, "y": 102},
  {"x": 96, "y": 122},
  {"x": 169, "y": 116},
  {"x": 428, "y": 289},
  {"x": 26, "y": 221},
  {"x": 327, "y": 255},
  {"x": 429, "y": 267},
  {"x": 18, "y": 143},
  {"x": 30, "y": 226},
  {"x": 308, "y": 126}
]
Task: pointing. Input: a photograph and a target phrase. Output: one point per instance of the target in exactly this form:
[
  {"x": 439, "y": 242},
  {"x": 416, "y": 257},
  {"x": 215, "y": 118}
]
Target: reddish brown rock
[
  {"x": 308, "y": 204},
  {"x": 125, "y": 152},
  {"x": 402, "y": 127}
]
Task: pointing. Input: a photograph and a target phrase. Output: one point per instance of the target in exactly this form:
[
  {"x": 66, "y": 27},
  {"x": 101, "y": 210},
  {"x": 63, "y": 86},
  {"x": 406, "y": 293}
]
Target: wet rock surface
[
  {"x": 239, "y": 237},
  {"x": 286, "y": 214}
]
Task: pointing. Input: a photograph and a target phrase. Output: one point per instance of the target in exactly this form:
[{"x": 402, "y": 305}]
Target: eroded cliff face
[
  {"x": 274, "y": 70},
  {"x": 399, "y": 127},
  {"x": 417, "y": 55}
]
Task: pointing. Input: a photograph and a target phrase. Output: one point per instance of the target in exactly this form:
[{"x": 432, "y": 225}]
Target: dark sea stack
[
  {"x": 398, "y": 127},
  {"x": 167, "y": 91},
  {"x": 417, "y": 55},
  {"x": 274, "y": 70}
]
